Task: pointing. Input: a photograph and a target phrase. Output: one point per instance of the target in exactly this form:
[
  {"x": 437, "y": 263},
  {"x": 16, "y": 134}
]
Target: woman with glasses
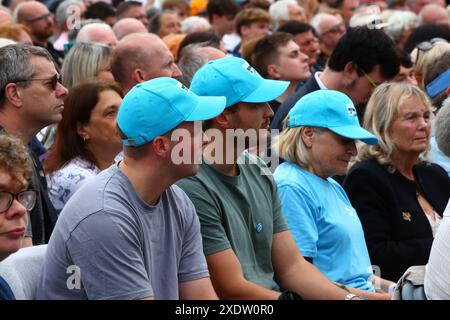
[
  {"x": 86, "y": 140},
  {"x": 15, "y": 200},
  {"x": 398, "y": 195}
]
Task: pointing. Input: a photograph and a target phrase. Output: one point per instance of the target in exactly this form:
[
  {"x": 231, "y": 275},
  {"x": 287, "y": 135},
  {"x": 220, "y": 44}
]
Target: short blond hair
[{"x": 382, "y": 110}]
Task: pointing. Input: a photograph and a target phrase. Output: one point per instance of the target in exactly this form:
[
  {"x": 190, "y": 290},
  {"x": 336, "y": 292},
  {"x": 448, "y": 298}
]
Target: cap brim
[
  {"x": 207, "y": 108},
  {"x": 268, "y": 90},
  {"x": 355, "y": 132}
]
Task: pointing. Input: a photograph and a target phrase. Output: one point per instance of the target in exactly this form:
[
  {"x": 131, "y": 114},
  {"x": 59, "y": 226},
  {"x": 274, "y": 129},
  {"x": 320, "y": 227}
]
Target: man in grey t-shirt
[{"x": 128, "y": 233}]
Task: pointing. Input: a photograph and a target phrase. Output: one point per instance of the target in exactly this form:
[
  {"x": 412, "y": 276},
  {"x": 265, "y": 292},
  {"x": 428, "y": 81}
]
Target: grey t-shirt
[{"x": 122, "y": 247}]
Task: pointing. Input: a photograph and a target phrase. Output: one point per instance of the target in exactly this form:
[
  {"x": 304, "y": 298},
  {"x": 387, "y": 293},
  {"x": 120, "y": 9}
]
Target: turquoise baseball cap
[
  {"x": 235, "y": 79},
  {"x": 332, "y": 110},
  {"x": 155, "y": 107}
]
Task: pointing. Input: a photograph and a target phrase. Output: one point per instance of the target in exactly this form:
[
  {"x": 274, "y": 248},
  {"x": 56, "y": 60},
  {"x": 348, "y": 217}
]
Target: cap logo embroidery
[
  {"x": 249, "y": 68},
  {"x": 182, "y": 86},
  {"x": 351, "y": 110}
]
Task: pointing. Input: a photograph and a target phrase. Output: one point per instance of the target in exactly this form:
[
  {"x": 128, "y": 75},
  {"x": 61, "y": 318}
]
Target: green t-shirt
[{"x": 241, "y": 212}]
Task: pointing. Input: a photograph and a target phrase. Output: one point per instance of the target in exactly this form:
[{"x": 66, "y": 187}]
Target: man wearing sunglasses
[
  {"x": 31, "y": 98},
  {"x": 39, "y": 20}
]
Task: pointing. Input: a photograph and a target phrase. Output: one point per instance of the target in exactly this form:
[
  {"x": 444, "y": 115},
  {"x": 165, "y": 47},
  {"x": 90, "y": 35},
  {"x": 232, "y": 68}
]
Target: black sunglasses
[{"x": 57, "y": 78}]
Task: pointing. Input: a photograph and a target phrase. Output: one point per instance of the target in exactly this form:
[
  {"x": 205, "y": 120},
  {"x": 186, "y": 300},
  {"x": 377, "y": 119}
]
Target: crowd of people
[{"x": 226, "y": 149}]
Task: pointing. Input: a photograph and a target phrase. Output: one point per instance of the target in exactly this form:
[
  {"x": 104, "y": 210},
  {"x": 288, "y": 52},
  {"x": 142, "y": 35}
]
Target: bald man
[
  {"x": 39, "y": 20},
  {"x": 97, "y": 33},
  {"x": 139, "y": 57},
  {"x": 128, "y": 26},
  {"x": 433, "y": 14}
]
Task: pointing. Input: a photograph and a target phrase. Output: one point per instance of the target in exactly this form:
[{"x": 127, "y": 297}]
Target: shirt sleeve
[
  {"x": 106, "y": 249},
  {"x": 301, "y": 218},
  {"x": 210, "y": 216},
  {"x": 193, "y": 263}
]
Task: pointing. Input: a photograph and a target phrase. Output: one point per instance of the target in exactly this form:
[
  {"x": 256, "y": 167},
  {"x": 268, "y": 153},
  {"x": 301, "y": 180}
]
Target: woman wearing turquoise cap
[{"x": 318, "y": 143}]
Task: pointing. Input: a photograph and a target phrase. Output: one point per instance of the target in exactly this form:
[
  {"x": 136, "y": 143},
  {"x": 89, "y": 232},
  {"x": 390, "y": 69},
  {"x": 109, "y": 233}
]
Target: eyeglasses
[
  {"x": 369, "y": 78},
  {"x": 53, "y": 80},
  {"x": 26, "y": 198},
  {"x": 45, "y": 16},
  {"x": 336, "y": 29}
]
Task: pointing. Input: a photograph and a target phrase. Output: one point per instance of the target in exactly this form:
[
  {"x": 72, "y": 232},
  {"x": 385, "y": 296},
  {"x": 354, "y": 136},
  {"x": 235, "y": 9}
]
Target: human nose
[
  {"x": 352, "y": 148},
  {"x": 61, "y": 91},
  {"x": 268, "y": 112},
  {"x": 16, "y": 210}
]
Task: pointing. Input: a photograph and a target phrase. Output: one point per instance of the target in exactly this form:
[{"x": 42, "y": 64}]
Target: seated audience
[
  {"x": 251, "y": 254},
  {"x": 398, "y": 196},
  {"x": 129, "y": 231},
  {"x": 440, "y": 143}
]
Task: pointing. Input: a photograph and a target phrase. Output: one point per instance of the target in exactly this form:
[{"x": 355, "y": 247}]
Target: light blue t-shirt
[{"x": 325, "y": 226}]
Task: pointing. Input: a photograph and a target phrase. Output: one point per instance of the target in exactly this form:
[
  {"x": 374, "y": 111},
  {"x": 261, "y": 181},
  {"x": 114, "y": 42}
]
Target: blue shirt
[{"x": 325, "y": 226}]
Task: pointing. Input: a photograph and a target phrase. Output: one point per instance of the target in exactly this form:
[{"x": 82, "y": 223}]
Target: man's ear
[
  {"x": 272, "y": 71},
  {"x": 13, "y": 94},
  {"x": 137, "y": 75},
  {"x": 350, "y": 74},
  {"x": 307, "y": 136},
  {"x": 224, "y": 120},
  {"x": 161, "y": 146}
]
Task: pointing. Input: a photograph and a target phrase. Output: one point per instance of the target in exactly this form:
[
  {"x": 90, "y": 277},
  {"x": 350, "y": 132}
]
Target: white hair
[
  {"x": 316, "y": 21},
  {"x": 399, "y": 22},
  {"x": 280, "y": 10},
  {"x": 193, "y": 24}
]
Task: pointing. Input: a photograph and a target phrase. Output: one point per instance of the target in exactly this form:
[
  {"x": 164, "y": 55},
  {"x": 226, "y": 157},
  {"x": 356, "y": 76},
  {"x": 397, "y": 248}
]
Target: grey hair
[
  {"x": 442, "y": 127},
  {"x": 63, "y": 12},
  {"x": 399, "y": 22},
  {"x": 190, "y": 60},
  {"x": 317, "y": 20},
  {"x": 83, "y": 61},
  {"x": 191, "y": 24},
  {"x": 280, "y": 10},
  {"x": 15, "y": 62}
]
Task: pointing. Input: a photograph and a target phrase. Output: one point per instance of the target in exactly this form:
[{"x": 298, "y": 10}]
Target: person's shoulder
[{"x": 429, "y": 169}]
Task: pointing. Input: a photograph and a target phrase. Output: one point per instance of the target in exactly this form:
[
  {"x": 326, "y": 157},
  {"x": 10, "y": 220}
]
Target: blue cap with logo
[
  {"x": 332, "y": 110},
  {"x": 235, "y": 79},
  {"x": 155, "y": 107}
]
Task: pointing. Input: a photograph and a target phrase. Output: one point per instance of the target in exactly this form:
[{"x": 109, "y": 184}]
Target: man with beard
[
  {"x": 362, "y": 59},
  {"x": 39, "y": 20},
  {"x": 250, "y": 252}
]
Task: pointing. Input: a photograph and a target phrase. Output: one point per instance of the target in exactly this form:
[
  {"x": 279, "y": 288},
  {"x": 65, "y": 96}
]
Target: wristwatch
[{"x": 350, "y": 296}]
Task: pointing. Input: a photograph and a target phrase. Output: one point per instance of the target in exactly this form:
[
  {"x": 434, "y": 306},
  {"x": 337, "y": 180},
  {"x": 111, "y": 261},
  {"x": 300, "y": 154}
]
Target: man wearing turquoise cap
[
  {"x": 251, "y": 254},
  {"x": 129, "y": 233}
]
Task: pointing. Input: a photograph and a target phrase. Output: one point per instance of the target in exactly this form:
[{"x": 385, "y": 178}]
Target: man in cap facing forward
[{"x": 128, "y": 233}]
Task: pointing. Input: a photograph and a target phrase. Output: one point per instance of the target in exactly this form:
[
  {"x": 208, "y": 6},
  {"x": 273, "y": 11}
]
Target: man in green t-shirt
[{"x": 250, "y": 252}]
